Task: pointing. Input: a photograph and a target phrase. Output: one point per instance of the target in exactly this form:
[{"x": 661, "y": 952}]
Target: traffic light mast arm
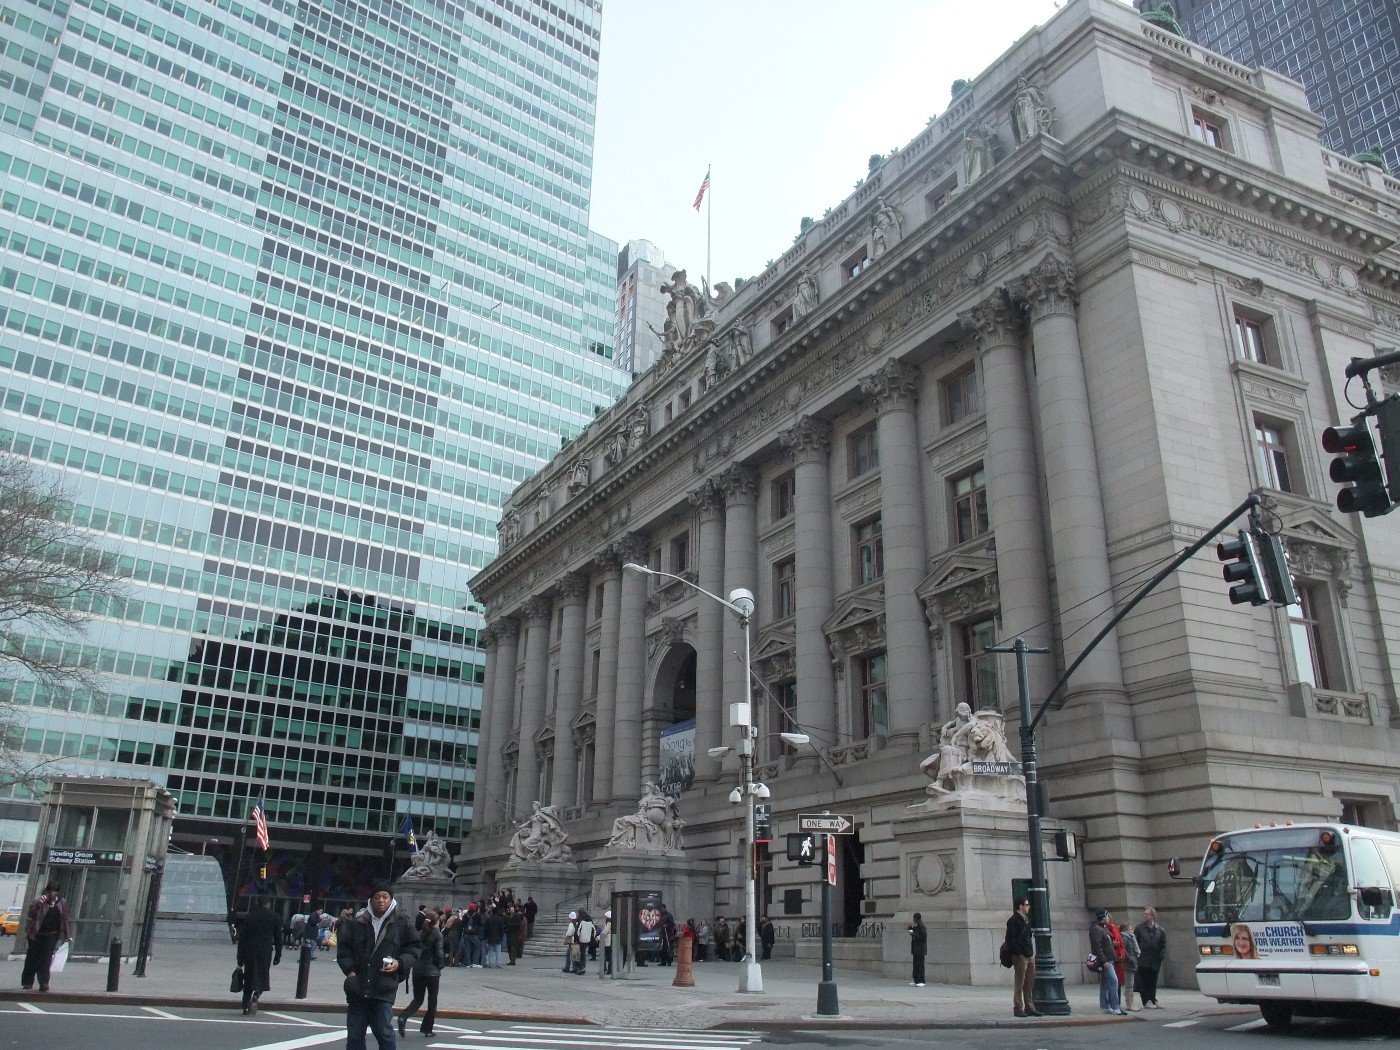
[{"x": 1250, "y": 504}]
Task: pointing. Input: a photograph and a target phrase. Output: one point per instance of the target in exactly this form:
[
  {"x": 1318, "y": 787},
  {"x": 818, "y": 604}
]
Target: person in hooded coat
[{"x": 378, "y": 950}]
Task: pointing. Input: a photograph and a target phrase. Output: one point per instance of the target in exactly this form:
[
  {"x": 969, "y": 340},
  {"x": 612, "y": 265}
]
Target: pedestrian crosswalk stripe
[
  {"x": 1249, "y": 1026},
  {"x": 543, "y": 1036},
  {"x": 727, "y": 1035},
  {"x": 1183, "y": 1024}
]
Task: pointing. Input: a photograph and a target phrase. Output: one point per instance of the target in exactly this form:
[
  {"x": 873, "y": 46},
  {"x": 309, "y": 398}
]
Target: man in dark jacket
[
  {"x": 45, "y": 928},
  {"x": 1152, "y": 943},
  {"x": 378, "y": 949},
  {"x": 427, "y": 974},
  {"x": 767, "y": 936},
  {"x": 1021, "y": 941},
  {"x": 1105, "y": 956},
  {"x": 918, "y": 948},
  {"x": 259, "y": 949}
]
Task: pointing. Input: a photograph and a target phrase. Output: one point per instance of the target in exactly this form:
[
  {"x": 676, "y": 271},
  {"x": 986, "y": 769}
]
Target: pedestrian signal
[{"x": 802, "y": 848}]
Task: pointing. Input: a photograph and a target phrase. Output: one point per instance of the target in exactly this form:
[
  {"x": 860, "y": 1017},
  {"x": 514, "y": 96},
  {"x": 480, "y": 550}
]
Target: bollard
[
  {"x": 304, "y": 968},
  {"x": 684, "y": 951},
  {"x": 114, "y": 965}
]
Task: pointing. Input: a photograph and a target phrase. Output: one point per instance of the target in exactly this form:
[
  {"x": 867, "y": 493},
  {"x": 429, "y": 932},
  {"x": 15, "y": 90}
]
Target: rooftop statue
[
  {"x": 541, "y": 838},
  {"x": 430, "y": 861},
  {"x": 688, "y": 323}
]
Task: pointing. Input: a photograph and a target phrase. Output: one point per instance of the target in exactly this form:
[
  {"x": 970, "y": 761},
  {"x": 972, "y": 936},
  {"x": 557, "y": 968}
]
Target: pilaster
[{"x": 572, "y": 594}]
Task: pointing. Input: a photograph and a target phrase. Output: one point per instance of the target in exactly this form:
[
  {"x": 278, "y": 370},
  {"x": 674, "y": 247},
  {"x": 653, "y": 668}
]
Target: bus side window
[{"x": 1376, "y": 899}]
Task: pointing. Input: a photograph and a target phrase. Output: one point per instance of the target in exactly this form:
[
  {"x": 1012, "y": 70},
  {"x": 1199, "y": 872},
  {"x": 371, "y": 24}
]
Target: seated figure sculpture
[
  {"x": 541, "y": 837},
  {"x": 655, "y": 827},
  {"x": 974, "y": 766},
  {"x": 430, "y": 860}
]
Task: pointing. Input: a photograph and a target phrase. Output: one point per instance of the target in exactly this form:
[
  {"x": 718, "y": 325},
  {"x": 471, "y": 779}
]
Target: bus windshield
[{"x": 1267, "y": 879}]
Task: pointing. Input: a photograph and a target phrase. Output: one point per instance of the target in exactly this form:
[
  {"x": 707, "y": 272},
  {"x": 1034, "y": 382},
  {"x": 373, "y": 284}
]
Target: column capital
[
  {"x": 608, "y": 562},
  {"x": 1047, "y": 290},
  {"x": 486, "y": 638},
  {"x": 707, "y": 499},
  {"x": 808, "y": 440},
  {"x": 506, "y": 629},
  {"x": 740, "y": 484},
  {"x": 572, "y": 589},
  {"x": 992, "y": 322},
  {"x": 895, "y": 386},
  {"x": 536, "y": 610},
  {"x": 632, "y": 547}
]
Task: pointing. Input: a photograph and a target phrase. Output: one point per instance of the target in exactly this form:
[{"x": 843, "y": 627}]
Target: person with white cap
[
  {"x": 570, "y": 939},
  {"x": 607, "y": 939}
]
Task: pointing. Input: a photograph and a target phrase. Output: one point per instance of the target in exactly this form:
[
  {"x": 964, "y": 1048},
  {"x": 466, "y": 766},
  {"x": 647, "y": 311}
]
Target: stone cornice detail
[
  {"x": 894, "y": 387},
  {"x": 807, "y": 441}
]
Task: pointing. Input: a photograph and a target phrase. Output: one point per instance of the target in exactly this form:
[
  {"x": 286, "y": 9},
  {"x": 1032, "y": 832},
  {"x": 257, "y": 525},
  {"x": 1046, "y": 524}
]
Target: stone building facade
[{"x": 1047, "y": 345}]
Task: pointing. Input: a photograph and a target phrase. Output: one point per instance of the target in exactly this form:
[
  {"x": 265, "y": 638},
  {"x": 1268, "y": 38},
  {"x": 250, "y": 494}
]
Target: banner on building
[{"x": 677, "y": 757}]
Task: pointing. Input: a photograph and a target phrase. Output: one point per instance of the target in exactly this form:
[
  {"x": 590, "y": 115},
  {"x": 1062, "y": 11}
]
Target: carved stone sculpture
[
  {"x": 431, "y": 860},
  {"x": 579, "y": 476},
  {"x": 886, "y": 227},
  {"x": 980, "y": 154},
  {"x": 654, "y": 828},
  {"x": 805, "y": 300},
  {"x": 688, "y": 320},
  {"x": 615, "y": 448},
  {"x": 1032, "y": 114},
  {"x": 740, "y": 345},
  {"x": 508, "y": 529},
  {"x": 640, "y": 429},
  {"x": 974, "y": 768},
  {"x": 541, "y": 838}
]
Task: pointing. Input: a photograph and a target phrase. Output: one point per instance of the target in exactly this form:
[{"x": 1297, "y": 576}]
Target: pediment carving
[
  {"x": 960, "y": 584},
  {"x": 775, "y": 655},
  {"x": 856, "y": 625}
]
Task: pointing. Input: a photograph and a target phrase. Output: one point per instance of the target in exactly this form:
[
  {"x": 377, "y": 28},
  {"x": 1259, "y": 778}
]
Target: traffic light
[
  {"x": 1388, "y": 430},
  {"x": 1356, "y": 464},
  {"x": 1274, "y": 561},
  {"x": 1243, "y": 570},
  {"x": 802, "y": 848}
]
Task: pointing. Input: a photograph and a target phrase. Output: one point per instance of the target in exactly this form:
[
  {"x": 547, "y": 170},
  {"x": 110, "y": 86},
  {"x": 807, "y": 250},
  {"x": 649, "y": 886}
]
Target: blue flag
[{"x": 407, "y": 832}]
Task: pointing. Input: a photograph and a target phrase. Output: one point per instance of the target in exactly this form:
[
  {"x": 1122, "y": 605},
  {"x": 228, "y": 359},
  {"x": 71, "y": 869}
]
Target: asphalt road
[{"x": 96, "y": 1027}]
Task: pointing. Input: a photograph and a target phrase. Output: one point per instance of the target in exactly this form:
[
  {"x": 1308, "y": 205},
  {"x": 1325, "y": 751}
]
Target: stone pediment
[
  {"x": 857, "y": 625},
  {"x": 775, "y": 654},
  {"x": 960, "y": 583},
  {"x": 583, "y": 728},
  {"x": 1318, "y": 548},
  {"x": 1306, "y": 521}
]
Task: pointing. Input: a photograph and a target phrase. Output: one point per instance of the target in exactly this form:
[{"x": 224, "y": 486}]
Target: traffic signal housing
[
  {"x": 1243, "y": 570},
  {"x": 802, "y": 848},
  {"x": 1356, "y": 465},
  {"x": 1273, "y": 560}
]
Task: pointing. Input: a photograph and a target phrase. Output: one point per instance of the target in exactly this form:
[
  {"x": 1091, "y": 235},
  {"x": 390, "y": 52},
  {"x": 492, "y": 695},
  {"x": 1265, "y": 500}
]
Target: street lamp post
[{"x": 741, "y": 604}]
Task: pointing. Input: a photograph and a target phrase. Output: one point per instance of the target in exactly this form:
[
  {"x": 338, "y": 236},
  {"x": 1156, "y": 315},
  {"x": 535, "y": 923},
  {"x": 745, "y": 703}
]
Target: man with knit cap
[{"x": 376, "y": 950}]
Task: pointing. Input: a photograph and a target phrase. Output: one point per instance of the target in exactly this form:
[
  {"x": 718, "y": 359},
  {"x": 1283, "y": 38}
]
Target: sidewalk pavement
[{"x": 197, "y": 975}]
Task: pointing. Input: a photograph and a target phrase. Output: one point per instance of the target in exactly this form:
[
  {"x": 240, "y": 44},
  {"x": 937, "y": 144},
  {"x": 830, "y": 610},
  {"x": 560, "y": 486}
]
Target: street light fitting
[
  {"x": 741, "y": 598},
  {"x": 795, "y": 739},
  {"x": 718, "y": 752}
]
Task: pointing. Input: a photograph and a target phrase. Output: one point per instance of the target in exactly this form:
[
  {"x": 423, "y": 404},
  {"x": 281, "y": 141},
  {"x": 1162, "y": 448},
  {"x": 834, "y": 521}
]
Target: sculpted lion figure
[{"x": 985, "y": 744}]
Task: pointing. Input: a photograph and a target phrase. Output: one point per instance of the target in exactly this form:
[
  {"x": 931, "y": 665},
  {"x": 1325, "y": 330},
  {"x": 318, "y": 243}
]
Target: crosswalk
[{"x": 574, "y": 1037}]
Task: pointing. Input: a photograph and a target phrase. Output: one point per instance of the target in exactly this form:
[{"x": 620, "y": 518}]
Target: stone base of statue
[
  {"x": 687, "y": 886},
  {"x": 550, "y": 882},
  {"x": 956, "y": 867},
  {"x": 964, "y": 789},
  {"x": 434, "y": 892}
]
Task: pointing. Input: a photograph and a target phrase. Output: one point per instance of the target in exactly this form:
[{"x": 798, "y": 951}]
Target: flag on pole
[
  {"x": 703, "y": 187},
  {"x": 260, "y": 820},
  {"x": 407, "y": 832}
]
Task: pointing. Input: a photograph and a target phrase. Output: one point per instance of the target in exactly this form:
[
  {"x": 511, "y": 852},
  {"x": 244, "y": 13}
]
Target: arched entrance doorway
[{"x": 668, "y": 732}]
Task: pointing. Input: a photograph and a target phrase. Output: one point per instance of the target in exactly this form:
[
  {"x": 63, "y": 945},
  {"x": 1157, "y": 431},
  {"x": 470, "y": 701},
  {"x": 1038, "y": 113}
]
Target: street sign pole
[{"x": 828, "y": 1004}]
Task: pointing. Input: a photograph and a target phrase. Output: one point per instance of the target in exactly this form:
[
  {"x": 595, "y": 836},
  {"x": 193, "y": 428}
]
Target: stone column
[
  {"x": 631, "y": 671},
  {"x": 481, "y": 812},
  {"x": 506, "y": 634},
  {"x": 808, "y": 443},
  {"x": 740, "y": 570},
  {"x": 1078, "y": 535},
  {"x": 573, "y": 596},
  {"x": 1013, "y": 487},
  {"x": 709, "y": 630},
  {"x": 605, "y": 719},
  {"x": 909, "y": 668},
  {"x": 527, "y": 774}
]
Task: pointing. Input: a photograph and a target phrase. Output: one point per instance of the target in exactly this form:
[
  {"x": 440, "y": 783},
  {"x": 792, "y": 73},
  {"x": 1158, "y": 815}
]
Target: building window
[
  {"x": 782, "y": 322},
  {"x": 979, "y": 668},
  {"x": 680, "y": 553},
  {"x": 683, "y": 402},
  {"x": 1314, "y": 657},
  {"x": 784, "y": 588},
  {"x": 960, "y": 397},
  {"x": 855, "y": 265},
  {"x": 781, "y": 719},
  {"x": 1209, "y": 129},
  {"x": 596, "y": 670},
  {"x": 1361, "y": 813},
  {"x": 938, "y": 197},
  {"x": 784, "y": 496},
  {"x": 1254, "y": 338},
  {"x": 970, "y": 505},
  {"x": 863, "y": 451},
  {"x": 598, "y": 600},
  {"x": 1272, "y": 450},
  {"x": 870, "y": 551},
  {"x": 874, "y": 698}
]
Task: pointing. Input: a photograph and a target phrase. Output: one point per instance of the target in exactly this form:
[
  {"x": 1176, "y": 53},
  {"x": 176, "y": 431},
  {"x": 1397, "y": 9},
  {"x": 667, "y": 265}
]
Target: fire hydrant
[{"x": 685, "y": 951}]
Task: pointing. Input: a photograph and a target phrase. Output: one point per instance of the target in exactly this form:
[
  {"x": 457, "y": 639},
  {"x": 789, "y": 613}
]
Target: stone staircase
[{"x": 548, "y": 938}]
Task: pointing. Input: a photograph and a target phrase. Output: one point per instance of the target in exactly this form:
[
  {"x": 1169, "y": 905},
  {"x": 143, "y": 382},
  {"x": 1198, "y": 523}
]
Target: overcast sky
[{"x": 786, "y": 99}]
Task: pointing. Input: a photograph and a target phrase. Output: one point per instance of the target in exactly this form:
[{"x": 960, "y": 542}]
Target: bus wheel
[{"x": 1277, "y": 1015}]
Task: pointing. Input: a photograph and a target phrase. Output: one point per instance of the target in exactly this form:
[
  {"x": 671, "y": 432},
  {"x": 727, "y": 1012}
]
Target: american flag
[
  {"x": 703, "y": 187},
  {"x": 260, "y": 820}
]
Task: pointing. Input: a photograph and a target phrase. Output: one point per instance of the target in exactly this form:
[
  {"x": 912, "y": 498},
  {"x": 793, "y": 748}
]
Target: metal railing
[{"x": 846, "y": 929}]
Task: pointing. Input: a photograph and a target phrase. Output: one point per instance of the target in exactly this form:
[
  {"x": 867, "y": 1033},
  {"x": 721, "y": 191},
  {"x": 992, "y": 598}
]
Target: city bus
[{"x": 1300, "y": 920}]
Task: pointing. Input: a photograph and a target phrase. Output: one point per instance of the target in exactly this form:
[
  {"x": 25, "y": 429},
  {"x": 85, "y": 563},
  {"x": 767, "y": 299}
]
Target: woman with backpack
[{"x": 426, "y": 975}]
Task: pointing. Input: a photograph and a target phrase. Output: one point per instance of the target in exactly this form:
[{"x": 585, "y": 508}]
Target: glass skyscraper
[
  {"x": 1346, "y": 53},
  {"x": 291, "y": 296}
]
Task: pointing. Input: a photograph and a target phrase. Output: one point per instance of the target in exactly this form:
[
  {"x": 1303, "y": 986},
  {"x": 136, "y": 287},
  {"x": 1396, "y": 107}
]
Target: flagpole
[{"x": 709, "y": 214}]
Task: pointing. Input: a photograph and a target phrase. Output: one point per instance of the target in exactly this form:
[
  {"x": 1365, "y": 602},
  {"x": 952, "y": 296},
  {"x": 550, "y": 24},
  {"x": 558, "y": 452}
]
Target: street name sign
[{"x": 830, "y": 823}]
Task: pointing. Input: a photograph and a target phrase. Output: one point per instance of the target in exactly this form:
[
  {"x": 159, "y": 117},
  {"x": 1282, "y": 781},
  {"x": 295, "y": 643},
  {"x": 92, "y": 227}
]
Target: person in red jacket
[{"x": 46, "y": 927}]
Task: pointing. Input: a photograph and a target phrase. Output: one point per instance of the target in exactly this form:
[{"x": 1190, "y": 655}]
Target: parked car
[{"x": 9, "y": 922}]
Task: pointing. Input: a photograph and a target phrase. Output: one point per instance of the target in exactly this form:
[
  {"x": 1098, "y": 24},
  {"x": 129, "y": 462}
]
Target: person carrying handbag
[
  {"x": 427, "y": 974},
  {"x": 1104, "y": 962},
  {"x": 45, "y": 927},
  {"x": 259, "y": 949}
]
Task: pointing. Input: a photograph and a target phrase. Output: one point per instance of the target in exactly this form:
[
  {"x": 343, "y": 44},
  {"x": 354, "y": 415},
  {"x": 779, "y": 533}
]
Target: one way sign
[{"x": 830, "y": 823}]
